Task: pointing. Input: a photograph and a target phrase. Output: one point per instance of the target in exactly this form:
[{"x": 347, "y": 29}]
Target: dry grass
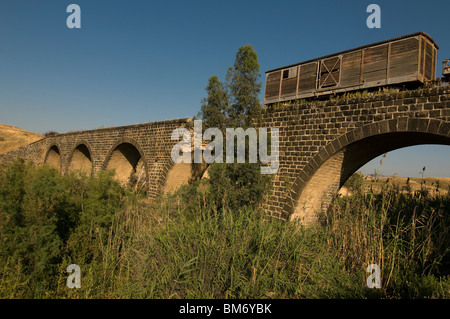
[
  {"x": 434, "y": 185},
  {"x": 12, "y": 138}
]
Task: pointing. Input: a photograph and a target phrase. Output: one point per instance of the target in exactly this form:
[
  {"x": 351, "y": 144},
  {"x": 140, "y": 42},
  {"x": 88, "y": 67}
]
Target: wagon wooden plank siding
[{"x": 407, "y": 59}]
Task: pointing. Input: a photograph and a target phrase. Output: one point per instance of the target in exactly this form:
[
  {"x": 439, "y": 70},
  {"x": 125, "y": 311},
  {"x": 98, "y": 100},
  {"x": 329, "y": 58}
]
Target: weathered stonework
[
  {"x": 151, "y": 140},
  {"x": 322, "y": 143}
]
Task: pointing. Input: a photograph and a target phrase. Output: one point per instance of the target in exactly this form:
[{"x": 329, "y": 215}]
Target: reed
[{"x": 184, "y": 246}]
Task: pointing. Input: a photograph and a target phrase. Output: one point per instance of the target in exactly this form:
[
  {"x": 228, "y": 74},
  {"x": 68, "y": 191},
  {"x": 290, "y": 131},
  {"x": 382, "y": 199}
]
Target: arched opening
[
  {"x": 324, "y": 183},
  {"x": 81, "y": 160},
  {"x": 128, "y": 164},
  {"x": 53, "y": 157},
  {"x": 410, "y": 169},
  {"x": 409, "y": 161}
]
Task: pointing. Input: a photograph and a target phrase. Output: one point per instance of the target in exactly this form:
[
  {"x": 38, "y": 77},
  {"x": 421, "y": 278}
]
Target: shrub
[
  {"x": 44, "y": 216},
  {"x": 36, "y": 215},
  {"x": 235, "y": 186}
]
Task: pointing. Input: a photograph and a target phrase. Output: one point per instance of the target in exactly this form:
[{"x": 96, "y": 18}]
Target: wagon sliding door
[
  {"x": 351, "y": 69},
  {"x": 375, "y": 66},
  {"x": 307, "y": 80}
]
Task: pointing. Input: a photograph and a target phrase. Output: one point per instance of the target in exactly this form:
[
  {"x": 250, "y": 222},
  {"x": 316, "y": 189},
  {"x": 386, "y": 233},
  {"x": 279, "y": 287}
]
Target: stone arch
[
  {"x": 322, "y": 177},
  {"x": 127, "y": 158},
  {"x": 81, "y": 158},
  {"x": 53, "y": 157}
]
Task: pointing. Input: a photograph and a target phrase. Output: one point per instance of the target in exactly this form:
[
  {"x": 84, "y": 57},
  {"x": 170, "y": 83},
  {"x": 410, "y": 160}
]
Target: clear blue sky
[{"x": 142, "y": 61}]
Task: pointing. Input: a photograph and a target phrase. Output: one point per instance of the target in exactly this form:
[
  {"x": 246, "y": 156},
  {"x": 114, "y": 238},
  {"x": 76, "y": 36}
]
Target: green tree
[
  {"x": 235, "y": 104},
  {"x": 244, "y": 84},
  {"x": 215, "y": 105}
]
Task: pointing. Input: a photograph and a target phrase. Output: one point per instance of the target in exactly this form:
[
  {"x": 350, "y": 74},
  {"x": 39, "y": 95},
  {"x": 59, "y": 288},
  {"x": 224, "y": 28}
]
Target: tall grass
[
  {"x": 406, "y": 234},
  {"x": 184, "y": 246},
  {"x": 175, "y": 251}
]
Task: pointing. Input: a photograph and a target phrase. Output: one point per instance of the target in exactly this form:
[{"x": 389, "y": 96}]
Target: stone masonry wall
[
  {"x": 310, "y": 133},
  {"x": 153, "y": 140}
]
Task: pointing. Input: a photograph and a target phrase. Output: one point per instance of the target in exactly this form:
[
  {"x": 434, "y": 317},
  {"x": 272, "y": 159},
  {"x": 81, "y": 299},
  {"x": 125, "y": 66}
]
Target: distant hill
[{"x": 12, "y": 138}]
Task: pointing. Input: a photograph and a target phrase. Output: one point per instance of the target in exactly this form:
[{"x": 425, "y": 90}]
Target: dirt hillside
[{"x": 12, "y": 138}]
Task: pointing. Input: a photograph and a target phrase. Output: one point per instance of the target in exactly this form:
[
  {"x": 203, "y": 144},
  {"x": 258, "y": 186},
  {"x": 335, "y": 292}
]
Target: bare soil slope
[{"x": 12, "y": 138}]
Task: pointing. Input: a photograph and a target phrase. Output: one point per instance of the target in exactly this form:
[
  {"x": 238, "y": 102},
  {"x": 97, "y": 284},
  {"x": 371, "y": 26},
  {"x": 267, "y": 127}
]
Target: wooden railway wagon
[{"x": 410, "y": 58}]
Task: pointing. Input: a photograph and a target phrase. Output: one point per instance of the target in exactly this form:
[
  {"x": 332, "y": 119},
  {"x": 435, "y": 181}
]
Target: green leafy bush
[
  {"x": 45, "y": 217},
  {"x": 235, "y": 186}
]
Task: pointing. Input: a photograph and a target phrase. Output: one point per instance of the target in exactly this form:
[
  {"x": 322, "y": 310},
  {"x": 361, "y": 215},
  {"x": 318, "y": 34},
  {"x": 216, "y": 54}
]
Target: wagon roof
[{"x": 359, "y": 48}]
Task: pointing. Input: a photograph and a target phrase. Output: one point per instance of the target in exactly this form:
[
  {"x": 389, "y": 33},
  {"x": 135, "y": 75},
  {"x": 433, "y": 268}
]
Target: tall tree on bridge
[
  {"x": 231, "y": 105},
  {"x": 244, "y": 84},
  {"x": 235, "y": 103},
  {"x": 215, "y": 105}
]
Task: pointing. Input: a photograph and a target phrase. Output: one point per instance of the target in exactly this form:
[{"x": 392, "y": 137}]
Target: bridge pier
[{"x": 323, "y": 143}]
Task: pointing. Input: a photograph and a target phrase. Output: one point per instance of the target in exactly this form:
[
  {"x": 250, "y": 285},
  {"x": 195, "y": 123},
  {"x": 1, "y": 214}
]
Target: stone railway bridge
[{"x": 322, "y": 143}]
